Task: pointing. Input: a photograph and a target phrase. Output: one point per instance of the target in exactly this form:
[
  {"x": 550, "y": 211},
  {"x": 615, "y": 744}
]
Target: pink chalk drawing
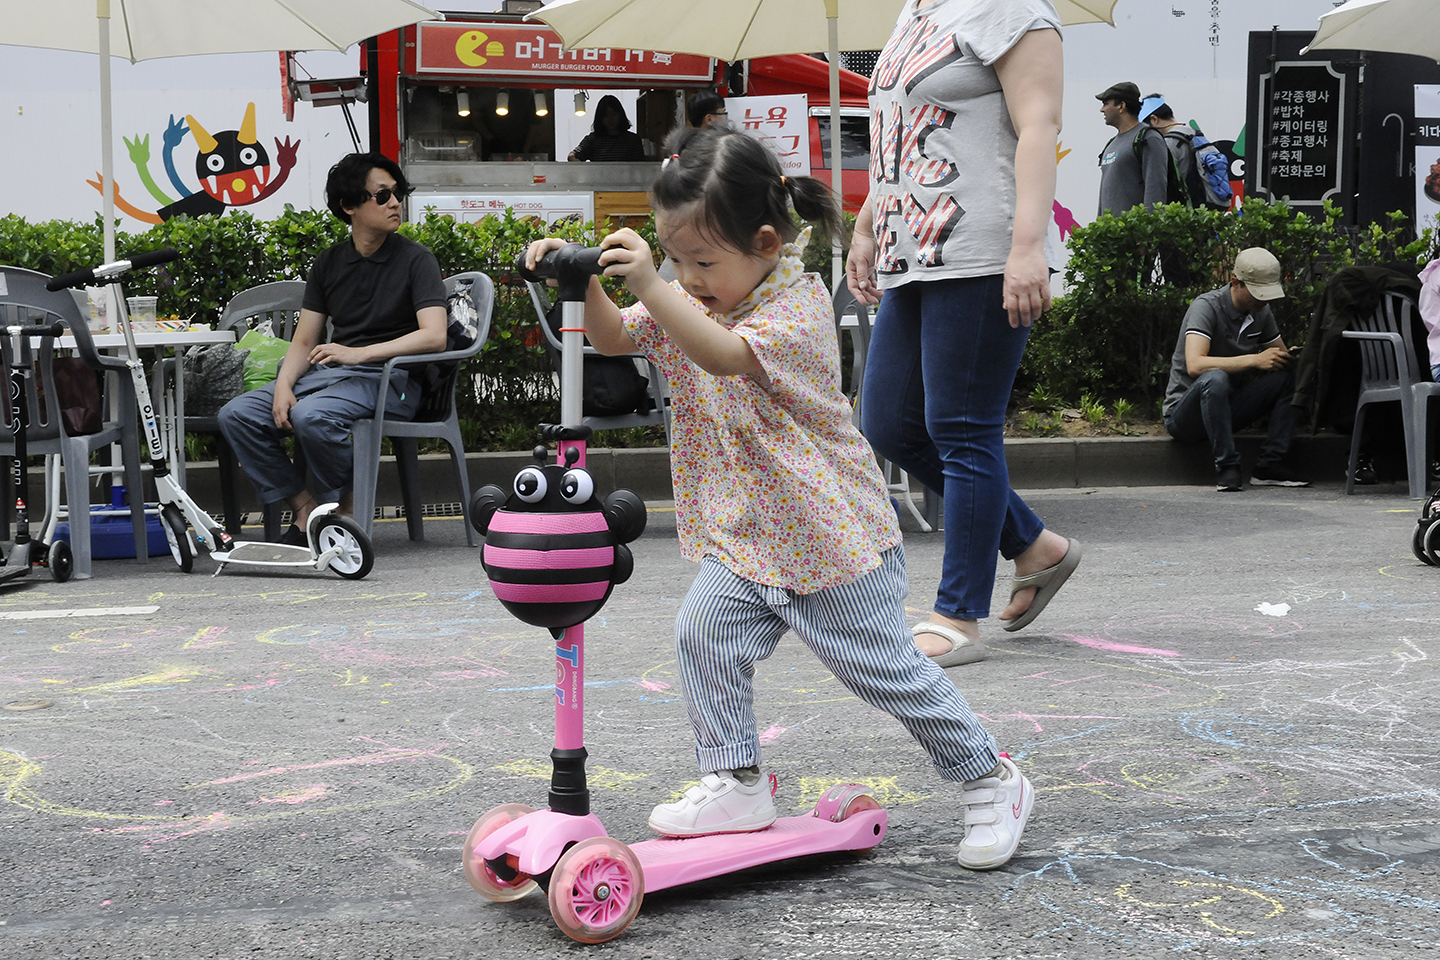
[
  {"x": 1114, "y": 647},
  {"x": 771, "y": 734},
  {"x": 653, "y": 685}
]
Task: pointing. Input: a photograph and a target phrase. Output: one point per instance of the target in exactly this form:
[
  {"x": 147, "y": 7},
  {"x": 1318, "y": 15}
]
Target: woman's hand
[
  {"x": 628, "y": 255},
  {"x": 1027, "y": 285},
  {"x": 860, "y": 268}
]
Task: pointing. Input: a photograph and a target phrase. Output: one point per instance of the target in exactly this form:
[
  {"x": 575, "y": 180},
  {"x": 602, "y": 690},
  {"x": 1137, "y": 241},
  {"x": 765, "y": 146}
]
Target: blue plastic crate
[{"x": 111, "y": 537}]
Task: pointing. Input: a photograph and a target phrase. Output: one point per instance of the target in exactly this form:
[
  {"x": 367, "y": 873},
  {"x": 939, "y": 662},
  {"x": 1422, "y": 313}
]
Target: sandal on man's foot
[
  {"x": 1046, "y": 582},
  {"x": 962, "y": 650}
]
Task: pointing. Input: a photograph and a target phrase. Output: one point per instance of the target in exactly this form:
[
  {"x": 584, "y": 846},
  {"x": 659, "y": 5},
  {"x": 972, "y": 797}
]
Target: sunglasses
[{"x": 383, "y": 195}]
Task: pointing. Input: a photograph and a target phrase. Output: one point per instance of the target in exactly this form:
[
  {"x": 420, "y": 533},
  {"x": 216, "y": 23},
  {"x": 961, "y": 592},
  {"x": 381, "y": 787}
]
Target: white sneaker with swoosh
[{"x": 996, "y": 810}]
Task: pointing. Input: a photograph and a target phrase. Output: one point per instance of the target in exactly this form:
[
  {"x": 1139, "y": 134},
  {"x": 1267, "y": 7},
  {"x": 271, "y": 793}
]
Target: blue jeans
[
  {"x": 942, "y": 361},
  {"x": 329, "y": 400},
  {"x": 1214, "y": 408}
]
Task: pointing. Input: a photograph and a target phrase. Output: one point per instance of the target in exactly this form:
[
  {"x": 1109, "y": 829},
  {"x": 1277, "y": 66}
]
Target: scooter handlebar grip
[
  {"x": 79, "y": 278},
  {"x": 154, "y": 258},
  {"x": 586, "y": 259}
]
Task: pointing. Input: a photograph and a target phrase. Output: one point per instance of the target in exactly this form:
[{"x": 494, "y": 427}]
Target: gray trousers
[
  {"x": 727, "y": 624},
  {"x": 329, "y": 400}
]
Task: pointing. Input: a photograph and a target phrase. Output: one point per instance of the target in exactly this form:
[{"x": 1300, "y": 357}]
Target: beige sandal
[
  {"x": 962, "y": 650},
  {"x": 1046, "y": 582}
]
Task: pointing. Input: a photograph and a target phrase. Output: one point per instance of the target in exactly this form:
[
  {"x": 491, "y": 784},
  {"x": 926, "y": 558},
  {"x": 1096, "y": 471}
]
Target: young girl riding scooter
[{"x": 777, "y": 495}]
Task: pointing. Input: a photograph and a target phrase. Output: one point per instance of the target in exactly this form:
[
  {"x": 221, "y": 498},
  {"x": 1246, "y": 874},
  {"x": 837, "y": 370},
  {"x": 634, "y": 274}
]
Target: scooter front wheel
[
  {"x": 356, "y": 556},
  {"x": 60, "y": 561},
  {"x": 596, "y": 890},
  {"x": 178, "y": 537},
  {"x": 481, "y": 875}
]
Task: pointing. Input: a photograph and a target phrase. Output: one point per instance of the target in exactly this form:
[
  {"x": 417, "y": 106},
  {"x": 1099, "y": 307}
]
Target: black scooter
[{"x": 17, "y": 374}]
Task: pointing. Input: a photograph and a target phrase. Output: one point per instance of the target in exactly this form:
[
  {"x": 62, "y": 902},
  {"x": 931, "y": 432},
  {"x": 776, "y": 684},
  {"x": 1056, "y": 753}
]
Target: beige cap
[{"x": 1258, "y": 269}]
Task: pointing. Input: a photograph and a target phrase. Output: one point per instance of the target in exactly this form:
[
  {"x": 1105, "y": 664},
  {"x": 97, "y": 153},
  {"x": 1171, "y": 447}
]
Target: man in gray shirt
[
  {"x": 1230, "y": 368},
  {"x": 1133, "y": 164}
]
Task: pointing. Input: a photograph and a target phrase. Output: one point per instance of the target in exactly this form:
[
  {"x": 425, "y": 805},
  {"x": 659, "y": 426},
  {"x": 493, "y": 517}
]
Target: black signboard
[{"x": 1303, "y": 130}]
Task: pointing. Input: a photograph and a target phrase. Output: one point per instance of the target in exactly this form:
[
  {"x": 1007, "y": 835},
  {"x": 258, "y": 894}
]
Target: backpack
[
  {"x": 1175, "y": 187},
  {"x": 612, "y": 386},
  {"x": 1212, "y": 171},
  {"x": 462, "y": 327},
  {"x": 1206, "y": 182}
]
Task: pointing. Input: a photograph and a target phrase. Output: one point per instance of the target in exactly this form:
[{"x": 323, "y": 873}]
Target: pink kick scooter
[{"x": 596, "y": 883}]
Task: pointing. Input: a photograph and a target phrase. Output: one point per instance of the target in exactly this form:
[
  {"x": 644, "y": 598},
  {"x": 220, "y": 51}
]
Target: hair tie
[{"x": 666, "y": 162}]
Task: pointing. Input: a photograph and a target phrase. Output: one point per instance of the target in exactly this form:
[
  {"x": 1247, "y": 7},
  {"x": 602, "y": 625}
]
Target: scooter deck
[
  {"x": 278, "y": 554},
  {"x": 672, "y": 861}
]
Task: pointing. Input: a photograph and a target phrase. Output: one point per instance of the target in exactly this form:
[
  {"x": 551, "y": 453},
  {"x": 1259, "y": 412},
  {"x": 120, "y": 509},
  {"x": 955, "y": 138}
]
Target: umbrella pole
[
  {"x": 832, "y": 15},
  {"x": 107, "y": 160}
]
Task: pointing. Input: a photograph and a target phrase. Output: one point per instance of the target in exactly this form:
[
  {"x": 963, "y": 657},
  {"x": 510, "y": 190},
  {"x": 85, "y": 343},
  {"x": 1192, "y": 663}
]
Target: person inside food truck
[{"x": 610, "y": 138}]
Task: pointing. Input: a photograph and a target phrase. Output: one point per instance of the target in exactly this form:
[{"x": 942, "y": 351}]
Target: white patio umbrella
[
  {"x": 1391, "y": 26},
  {"x": 152, "y": 29},
  {"x": 748, "y": 29}
]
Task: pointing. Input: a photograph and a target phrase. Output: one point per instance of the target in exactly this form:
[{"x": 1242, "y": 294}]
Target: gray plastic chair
[
  {"x": 897, "y": 481},
  {"x": 26, "y": 300},
  {"x": 1389, "y": 371},
  {"x": 437, "y": 418},
  {"x": 658, "y": 415}
]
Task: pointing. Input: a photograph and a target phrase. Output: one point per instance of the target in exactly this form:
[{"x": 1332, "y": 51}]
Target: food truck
[{"x": 482, "y": 111}]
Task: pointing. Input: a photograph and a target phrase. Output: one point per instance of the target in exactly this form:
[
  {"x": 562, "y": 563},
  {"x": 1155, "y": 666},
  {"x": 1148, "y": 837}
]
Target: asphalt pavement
[{"x": 1229, "y": 715}]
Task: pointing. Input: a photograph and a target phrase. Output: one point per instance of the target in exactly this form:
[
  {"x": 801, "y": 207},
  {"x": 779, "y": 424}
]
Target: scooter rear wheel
[
  {"x": 356, "y": 556},
  {"x": 596, "y": 890},
  {"x": 485, "y": 881},
  {"x": 60, "y": 561},
  {"x": 178, "y": 537}
]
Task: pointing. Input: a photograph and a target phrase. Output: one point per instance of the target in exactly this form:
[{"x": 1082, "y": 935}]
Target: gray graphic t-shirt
[{"x": 942, "y": 148}]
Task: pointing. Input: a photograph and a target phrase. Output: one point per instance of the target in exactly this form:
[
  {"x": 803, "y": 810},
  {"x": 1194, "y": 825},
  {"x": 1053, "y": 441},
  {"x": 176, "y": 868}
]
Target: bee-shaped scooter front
[{"x": 553, "y": 550}]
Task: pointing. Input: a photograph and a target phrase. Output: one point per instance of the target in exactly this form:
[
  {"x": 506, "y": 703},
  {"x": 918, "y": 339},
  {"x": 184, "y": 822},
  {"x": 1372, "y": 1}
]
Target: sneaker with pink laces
[{"x": 996, "y": 810}]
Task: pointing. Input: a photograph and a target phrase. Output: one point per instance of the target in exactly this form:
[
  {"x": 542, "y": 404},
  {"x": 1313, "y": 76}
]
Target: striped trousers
[{"x": 728, "y": 624}]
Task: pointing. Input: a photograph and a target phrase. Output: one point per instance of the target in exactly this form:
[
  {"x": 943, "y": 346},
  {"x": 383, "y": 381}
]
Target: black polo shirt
[{"x": 374, "y": 299}]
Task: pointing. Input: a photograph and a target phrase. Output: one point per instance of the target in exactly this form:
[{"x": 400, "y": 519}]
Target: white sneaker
[
  {"x": 718, "y": 804},
  {"x": 996, "y": 809}
]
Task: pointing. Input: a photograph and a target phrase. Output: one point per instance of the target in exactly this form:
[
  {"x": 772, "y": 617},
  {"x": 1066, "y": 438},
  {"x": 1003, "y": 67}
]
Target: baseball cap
[
  {"x": 1121, "y": 91},
  {"x": 1149, "y": 105},
  {"x": 1258, "y": 269}
]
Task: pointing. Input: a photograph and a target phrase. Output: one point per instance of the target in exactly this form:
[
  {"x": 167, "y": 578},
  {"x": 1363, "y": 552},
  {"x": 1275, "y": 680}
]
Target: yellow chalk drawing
[
  {"x": 1221, "y": 895},
  {"x": 17, "y": 771},
  {"x": 164, "y": 677}
]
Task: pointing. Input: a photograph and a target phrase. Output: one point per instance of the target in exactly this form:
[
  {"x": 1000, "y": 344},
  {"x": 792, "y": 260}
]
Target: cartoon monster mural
[{"x": 233, "y": 168}]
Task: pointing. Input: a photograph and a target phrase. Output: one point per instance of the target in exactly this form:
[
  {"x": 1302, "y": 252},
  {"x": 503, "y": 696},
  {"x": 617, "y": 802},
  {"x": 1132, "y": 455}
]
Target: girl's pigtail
[{"x": 814, "y": 201}]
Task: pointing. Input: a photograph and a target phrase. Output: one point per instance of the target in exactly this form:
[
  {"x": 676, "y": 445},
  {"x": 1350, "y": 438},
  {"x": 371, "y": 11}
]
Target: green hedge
[
  {"x": 1113, "y": 333},
  {"x": 512, "y": 388},
  {"x": 1110, "y": 337}
]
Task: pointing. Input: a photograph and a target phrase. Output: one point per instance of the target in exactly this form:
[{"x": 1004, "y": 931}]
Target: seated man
[
  {"x": 1231, "y": 368},
  {"x": 384, "y": 297}
]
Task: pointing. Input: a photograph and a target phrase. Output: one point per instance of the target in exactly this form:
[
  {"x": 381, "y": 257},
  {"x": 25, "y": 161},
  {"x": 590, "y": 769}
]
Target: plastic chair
[
  {"x": 278, "y": 305},
  {"x": 897, "y": 481},
  {"x": 437, "y": 417},
  {"x": 1389, "y": 371},
  {"x": 26, "y": 300},
  {"x": 659, "y": 414}
]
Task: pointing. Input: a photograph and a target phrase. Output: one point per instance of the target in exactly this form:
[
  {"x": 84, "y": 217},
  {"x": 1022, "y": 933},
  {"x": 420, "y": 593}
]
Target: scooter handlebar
[
  {"x": 35, "y": 329},
  {"x": 571, "y": 257},
  {"x": 106, "y": 271}
]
